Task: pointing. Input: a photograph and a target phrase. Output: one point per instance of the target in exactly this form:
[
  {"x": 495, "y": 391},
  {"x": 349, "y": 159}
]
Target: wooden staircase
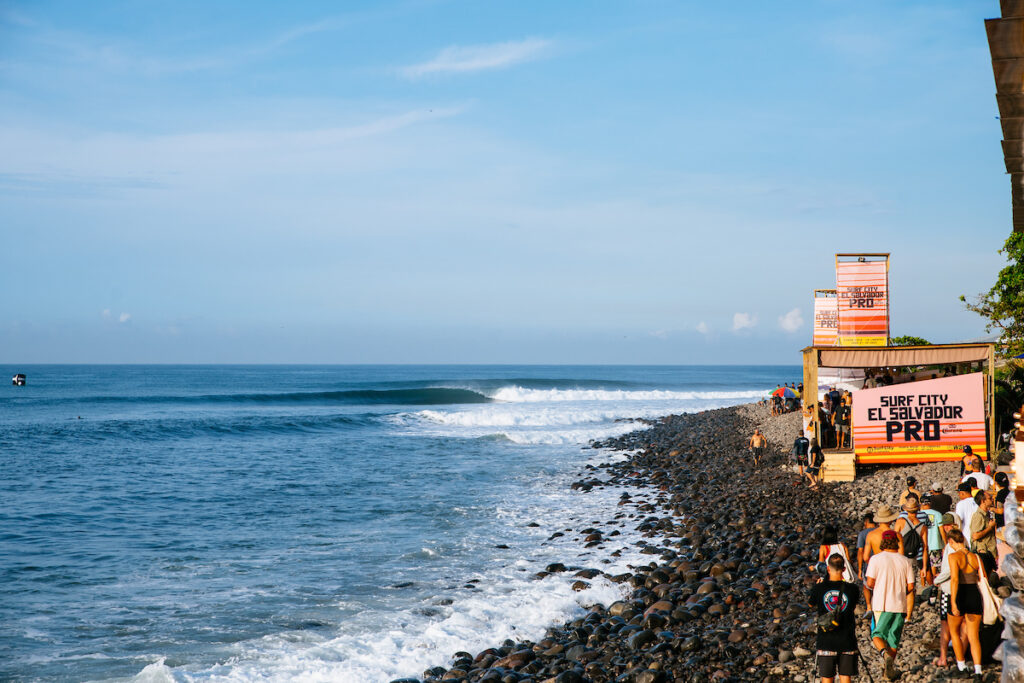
[{"x": 839, "y": 466}]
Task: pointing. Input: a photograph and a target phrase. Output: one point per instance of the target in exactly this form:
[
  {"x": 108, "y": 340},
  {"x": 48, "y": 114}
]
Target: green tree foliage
[
  {"x": 907, "y": 340},
  {"x": 1009, "y": 395},
  {"x": 1003, "y": 305}
]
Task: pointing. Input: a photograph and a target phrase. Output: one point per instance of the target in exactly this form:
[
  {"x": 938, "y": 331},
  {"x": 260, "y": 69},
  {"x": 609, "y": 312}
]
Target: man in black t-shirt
[
  {"x": 837, "y": 648},
  {"x": 940, "y": 501},
  {"x": 800, "y": 446},
  {"x": 842, "y": 418}
]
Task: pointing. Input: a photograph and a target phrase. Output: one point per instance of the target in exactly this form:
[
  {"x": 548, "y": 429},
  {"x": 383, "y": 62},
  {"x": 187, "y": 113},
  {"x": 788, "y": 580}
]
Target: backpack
[
  {"x": 911, "y": 540},
  {"x": 829, "y": 621}
]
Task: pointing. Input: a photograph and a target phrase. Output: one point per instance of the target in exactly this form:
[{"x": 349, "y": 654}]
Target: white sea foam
[
  {"x": 517, "y": 394},
  {"x": 157, "y": 672},
  {"x": 378, "y": 645},
  {"x": 495, "y": 416}
]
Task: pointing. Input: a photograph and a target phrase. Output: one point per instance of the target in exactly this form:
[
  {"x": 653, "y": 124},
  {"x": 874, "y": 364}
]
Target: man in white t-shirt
[
  {"x": 889, "y": 590},
  {"x": 965, "y": 508},
  {"x": 981, "y": 480}
]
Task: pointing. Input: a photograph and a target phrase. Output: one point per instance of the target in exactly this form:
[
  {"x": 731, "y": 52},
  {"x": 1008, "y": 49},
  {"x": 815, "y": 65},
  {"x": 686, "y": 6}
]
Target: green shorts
[{"x": 889, "y": 627}]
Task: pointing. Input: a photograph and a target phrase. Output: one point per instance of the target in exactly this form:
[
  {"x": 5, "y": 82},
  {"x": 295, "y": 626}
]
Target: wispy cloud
[
  {"x": 659, "y": 334},
  {"x": 469, "y": 58},
  {"x": 44, "y": 160},
  {"x": 792, "y": 321},
  {"x": 124, "y": 317},
  {"x": 703, "y": 327},
  {"x": 100, "y": 52},
  {"x": 742, "y": 321}
]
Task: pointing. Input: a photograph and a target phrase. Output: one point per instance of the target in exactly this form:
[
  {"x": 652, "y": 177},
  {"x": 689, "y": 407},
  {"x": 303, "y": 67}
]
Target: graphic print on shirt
[{"x": 835, "y": 600}]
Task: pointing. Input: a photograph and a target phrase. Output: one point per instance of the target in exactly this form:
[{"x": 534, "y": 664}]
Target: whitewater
[{"x": 315, "y": 523}]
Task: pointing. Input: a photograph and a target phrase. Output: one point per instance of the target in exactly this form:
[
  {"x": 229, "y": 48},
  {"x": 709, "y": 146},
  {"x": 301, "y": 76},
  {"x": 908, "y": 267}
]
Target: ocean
[{"x": 314, "y": 523}]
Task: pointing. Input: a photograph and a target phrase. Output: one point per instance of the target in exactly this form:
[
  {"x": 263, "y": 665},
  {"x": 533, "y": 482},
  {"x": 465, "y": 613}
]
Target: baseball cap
[
  {"x": 889, "y": 534},
  {"x": 948, "y": 519},
  {"x": 937, "y": 486}
]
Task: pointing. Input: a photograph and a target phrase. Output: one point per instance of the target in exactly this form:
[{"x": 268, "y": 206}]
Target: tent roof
[{"x": 893, "y": 356}]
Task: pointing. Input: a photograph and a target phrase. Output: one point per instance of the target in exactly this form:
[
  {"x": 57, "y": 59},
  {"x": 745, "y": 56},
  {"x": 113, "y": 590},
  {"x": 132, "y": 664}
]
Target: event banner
[
  {"x": 826, "y": 318},
  {"x": 920, "y": 421},
  {"x": 862, "y": 288}
]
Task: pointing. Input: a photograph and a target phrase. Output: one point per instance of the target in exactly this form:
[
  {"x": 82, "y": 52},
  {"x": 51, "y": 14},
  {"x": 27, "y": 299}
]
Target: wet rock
[{"x": 641, "y": 638}]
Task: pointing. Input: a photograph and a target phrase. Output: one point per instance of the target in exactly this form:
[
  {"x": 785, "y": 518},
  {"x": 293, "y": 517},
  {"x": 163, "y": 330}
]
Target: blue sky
[{"x": 598, "y": 182}]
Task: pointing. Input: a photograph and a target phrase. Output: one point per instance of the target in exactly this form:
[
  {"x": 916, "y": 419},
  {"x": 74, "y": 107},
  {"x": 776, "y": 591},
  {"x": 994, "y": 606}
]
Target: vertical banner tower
[
  {"x": 826, "y": 318},
  {"x": 862, "y": 291}
]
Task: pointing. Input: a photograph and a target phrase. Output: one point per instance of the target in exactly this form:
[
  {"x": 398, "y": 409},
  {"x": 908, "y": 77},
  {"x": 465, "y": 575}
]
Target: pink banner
[{"x": 920, "y": 421}]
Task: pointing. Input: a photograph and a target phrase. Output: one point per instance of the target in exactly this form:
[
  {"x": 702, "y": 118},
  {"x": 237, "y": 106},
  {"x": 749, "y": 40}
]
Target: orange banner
[
  {"x": 920, "y": 421},
  {"x": 862, "y": 288},
  {"x": 826, "y": 319}
]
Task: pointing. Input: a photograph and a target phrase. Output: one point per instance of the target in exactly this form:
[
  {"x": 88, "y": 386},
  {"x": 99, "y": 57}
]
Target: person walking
[
  {"x": 912, "y": 526},
  {"x": 889, "y": 590},
  {"x": 949, "y": 524},
  {"x": 800, "y": 447},
  {"x": 830, "y": 545},
  {"x": 862, "y": 540},
  {"x": 936, "y": 537},
  {"x": 940, "y": 501},
  {"x": 911, "y": 489},
  {"x": 817, "y": 459},
  {"x": 757, "y": 444},
  {"x": 966, "y": 507},
  {"x": 965, "y": 603},
  {"x": 837, "y": 643},
  {"x": 884, "y": 518},
  {"x": 983, "y": 530}
]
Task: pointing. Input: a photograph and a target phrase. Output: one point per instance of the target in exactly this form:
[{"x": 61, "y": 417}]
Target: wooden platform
[{"x": 839, "y": 466}]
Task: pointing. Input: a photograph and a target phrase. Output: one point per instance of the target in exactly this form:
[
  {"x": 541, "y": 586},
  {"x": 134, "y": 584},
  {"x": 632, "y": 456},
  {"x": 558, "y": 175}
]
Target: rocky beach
[{"x": 724, "y": 595}]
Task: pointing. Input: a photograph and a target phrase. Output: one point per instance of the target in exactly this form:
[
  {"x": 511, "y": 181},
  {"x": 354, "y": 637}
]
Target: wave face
[
  {"x": 354, "y": 524},
  {"x": 413, "y": 396}
]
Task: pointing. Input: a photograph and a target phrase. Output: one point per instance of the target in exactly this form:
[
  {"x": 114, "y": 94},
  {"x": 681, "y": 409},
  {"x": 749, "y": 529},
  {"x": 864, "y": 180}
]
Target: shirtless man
[
  {"x": 757, "y": 445},
  {"x": 884, "y": 518}
]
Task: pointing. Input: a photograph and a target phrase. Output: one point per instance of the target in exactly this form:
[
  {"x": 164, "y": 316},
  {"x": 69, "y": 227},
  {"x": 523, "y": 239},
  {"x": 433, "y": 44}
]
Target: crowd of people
[{"x": 929, "y": 552}]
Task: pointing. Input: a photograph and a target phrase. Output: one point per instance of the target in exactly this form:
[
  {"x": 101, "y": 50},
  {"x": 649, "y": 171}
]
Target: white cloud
[
  {"x": 469, "y": 58},
  {"x": 124, "y": 317},
  {"x": 792, "y": 321},
  {"x": 105, "y": 314},
  {"x": 742, "y": 321},
  {"x": 702, "y": 327},
  {"x": 659, "y": 334}
]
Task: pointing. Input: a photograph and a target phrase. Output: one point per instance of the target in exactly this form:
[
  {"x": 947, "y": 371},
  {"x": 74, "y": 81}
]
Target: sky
[{"x": 437, "y": 181}]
